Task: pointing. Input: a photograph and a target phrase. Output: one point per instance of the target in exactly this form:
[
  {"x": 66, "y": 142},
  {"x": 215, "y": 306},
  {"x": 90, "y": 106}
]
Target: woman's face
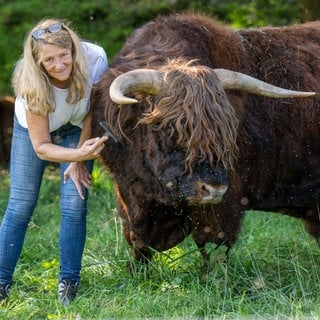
[{"x": 58, "y": 63}]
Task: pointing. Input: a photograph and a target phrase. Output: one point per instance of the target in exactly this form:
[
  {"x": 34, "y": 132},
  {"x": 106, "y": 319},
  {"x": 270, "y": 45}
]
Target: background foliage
[{"x": 109, "y": 22}]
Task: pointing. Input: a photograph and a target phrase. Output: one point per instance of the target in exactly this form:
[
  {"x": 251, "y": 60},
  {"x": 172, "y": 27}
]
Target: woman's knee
[{"x": 19, "y": 212}]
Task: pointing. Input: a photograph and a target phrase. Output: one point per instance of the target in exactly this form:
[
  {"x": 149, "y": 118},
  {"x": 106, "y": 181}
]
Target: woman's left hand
[{"x": 80, "y": 175}]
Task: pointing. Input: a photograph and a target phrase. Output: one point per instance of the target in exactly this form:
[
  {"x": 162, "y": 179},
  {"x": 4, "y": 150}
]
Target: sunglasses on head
[{"x": 54, "y": 28}]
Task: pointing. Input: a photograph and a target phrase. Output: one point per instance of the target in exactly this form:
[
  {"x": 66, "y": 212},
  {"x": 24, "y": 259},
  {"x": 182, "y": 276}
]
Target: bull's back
[
  {"x": 280, "y": 138},
  {"x": 285, "y": 56}
]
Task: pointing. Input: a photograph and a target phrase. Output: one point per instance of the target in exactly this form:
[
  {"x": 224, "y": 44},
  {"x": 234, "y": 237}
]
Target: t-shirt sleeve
[
  {"x": 101, "y": 66},
  {"x": 97, "y": 59}
]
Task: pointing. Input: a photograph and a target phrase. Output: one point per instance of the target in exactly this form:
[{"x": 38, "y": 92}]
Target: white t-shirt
[{"x": 64, "y": 111}]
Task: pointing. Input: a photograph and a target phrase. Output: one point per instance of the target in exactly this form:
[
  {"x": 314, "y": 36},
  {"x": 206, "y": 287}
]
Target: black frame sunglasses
[{"x": 54, "y": 28}]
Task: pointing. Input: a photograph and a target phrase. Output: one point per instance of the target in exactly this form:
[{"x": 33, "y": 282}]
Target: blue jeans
[{"x": 26, "y": 171}]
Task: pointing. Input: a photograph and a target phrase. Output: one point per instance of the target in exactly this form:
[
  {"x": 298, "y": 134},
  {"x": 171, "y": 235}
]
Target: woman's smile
[{"x": 58, "y": 64}]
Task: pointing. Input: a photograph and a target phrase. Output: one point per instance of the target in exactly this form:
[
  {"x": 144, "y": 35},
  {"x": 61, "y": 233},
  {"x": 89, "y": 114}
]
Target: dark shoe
[
  {"x": 4, "y": 291},
  {"x": 67, "y": 290}
]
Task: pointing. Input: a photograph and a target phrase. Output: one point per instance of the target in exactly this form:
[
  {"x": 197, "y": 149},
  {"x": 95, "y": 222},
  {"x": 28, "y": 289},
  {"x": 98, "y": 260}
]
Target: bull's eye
[{"x": 156, "y": 126}]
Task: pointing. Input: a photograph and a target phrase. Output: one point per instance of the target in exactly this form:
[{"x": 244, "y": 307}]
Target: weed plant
[{"x": 272, "y": 271}]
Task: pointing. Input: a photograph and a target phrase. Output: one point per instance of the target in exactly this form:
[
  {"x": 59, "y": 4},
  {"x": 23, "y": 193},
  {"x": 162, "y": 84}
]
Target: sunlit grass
[{"x": 272, "y": 272}]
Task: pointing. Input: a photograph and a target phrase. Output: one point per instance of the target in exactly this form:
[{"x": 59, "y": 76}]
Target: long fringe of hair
[{"x": 193, "y": 103}]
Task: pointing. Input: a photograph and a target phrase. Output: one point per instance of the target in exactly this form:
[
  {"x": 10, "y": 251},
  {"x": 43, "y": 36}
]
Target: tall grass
[{"x": 272, "y": 272}]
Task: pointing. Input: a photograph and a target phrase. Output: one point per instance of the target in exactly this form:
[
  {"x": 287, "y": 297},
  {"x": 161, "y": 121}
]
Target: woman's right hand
[{"x": 91, "y": 148}]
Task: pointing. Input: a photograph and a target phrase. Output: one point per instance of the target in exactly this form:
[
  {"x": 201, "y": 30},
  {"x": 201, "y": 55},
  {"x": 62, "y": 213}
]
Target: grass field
[{"x": 273, "y": 270}]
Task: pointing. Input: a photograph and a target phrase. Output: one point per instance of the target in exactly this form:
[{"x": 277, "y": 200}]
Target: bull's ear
[
  {"x": 143, "y": 80},
  {"x": 238, "y": 103}
]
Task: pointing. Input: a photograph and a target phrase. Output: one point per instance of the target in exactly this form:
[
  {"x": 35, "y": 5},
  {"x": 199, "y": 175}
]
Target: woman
[{"x": 52, "y": 82}]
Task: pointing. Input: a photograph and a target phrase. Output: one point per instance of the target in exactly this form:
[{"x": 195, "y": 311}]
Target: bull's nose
[{"x": 212, "y": 194}]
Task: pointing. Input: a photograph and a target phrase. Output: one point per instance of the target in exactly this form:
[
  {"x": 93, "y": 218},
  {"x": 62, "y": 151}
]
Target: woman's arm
[{"x": 38, "y": 126}]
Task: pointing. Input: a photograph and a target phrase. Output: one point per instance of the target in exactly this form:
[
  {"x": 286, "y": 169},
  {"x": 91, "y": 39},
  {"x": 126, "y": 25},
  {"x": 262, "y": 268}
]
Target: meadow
[{"x": 272, "y": 272}]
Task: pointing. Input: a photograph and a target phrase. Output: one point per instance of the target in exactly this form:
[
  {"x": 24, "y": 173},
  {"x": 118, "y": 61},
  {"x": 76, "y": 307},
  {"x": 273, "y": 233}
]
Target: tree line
[{"x": 110, "y": 22}]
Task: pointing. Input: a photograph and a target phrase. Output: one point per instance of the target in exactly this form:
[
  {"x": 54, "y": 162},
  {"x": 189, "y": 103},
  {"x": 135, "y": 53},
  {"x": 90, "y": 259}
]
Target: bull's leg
[
  {"x": 310, "y": 217},
  {"x": 312, "y": 223},
  {"x": 139, "y": 251},
  {"x": 210, "y": 260},
  {"x": 211, "y": 224},
  {"x": 142, "y": 257},
  {"x": 159, "y": 235},
  {"x": 135, "y": 230}
]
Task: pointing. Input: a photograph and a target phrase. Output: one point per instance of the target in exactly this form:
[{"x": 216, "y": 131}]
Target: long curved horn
[
  {"x": 239, "y": 81},
  {"x": 150, "y": 81},
  {"x": 144, "y": 80}
]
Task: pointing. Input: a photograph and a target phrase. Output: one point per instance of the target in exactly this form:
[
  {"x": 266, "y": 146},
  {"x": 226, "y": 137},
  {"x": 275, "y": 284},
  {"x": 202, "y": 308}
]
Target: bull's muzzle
[{"x": 207, "y": 194}]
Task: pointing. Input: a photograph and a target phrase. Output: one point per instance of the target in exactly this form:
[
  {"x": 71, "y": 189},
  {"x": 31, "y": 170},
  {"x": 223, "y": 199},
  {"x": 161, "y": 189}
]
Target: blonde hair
[{"x": 30, "y": 79}]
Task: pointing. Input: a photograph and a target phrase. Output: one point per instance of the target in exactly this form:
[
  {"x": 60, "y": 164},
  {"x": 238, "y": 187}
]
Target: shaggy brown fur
[
  {"x": 277, "y": 167},
  {"x": 6, "y": 128},
  {"x": 211, "y": 126}
]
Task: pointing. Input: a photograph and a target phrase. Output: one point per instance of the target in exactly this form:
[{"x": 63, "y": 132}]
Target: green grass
[{"x": 272, "y": 271}]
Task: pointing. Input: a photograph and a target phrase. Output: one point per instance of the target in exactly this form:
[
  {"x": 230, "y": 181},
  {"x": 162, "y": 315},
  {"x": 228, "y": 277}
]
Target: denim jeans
[{"x": 26, "y": 171}]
